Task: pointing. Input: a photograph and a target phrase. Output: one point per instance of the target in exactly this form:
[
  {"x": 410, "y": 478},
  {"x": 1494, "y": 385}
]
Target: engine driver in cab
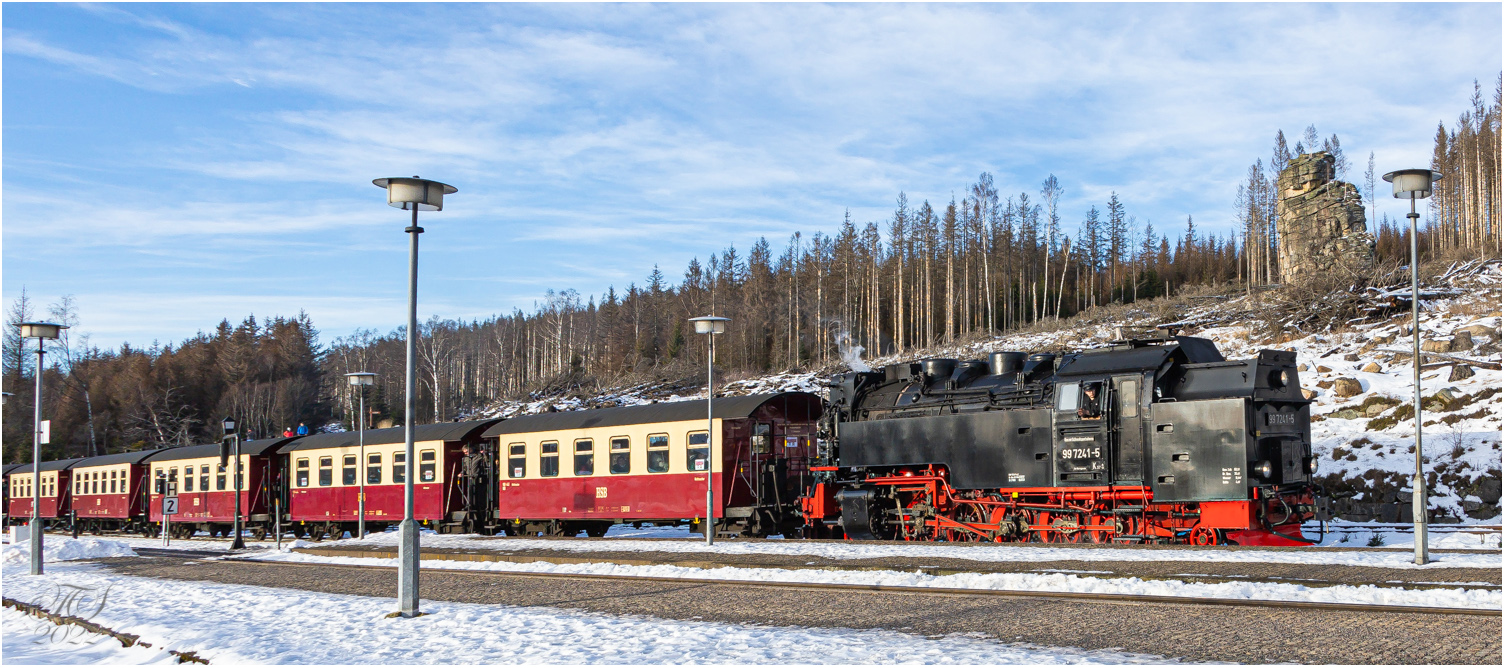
[{"x": 1090, "y": 409}]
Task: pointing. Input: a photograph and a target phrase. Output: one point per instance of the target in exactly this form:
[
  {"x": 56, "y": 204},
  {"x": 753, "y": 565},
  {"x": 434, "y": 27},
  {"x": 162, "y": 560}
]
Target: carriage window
[
  {"x": 585, "y": 457},
  {"x": 347, "y": 473},
  {"x": 219, "y": 477},
  {"x": 621, "y": 455},
  {"x": 517, "y": 460},
  {"x": 399, "y": 468},
  {"x": 426, "y": 466},
  {"x": 161, "y": 481},
  {"x": 113, "y": 475},
  {"x": 1128, "y": 398},
  {"x": 373, "y": 468},
  {"x": 188, "y": 478},
  {"x": 1067, "y": 395},
  {"x": 326, "y": 471},
  {"x": 204, "y": 478},
  {"x": 658, "y": 453},
  {"x": 698, "y": 453},
  {"x": 95, "y": 483},
  {"x": 303, "y": 473},
  {"x": 548, "y": 459}
]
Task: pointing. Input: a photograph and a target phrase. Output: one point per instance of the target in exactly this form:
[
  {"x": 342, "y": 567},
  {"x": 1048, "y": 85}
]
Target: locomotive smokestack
[{"x": 1005, "y": 362}]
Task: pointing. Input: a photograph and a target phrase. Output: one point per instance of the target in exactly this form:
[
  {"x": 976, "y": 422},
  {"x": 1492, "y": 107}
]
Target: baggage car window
[
  {"x": 658, "y": 453},
  {"x": 302, "y": 473},
  {"x": 399, "y": 467},
  {"x": 204, "y": 478},
  {"x": 517, "y": 460},
  {"x": 347, "y": 470},
  {"x": 698, "y": 452},
  {"x": 621, "y": 455},
  {"x": 585, "y": 457},
  {"x": 326, "y": 471},
  {"x": 1067, "y": 397},
  {"x": 219, "y": 478},
  {"x": 426, "y": 465},
  {"x": 548, "y": 459},
  {"x": 373, "y": 468}
]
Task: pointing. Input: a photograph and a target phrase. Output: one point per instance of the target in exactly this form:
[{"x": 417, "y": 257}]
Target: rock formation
[{"x": 1320, "y": 221}]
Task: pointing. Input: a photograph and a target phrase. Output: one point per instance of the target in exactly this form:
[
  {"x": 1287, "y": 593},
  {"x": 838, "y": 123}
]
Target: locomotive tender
[{"x": 1146, "y": 440}]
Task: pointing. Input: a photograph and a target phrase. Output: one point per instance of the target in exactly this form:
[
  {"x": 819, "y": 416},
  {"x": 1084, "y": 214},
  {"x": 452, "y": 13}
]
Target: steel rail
[{"x": 938, "y": 591}]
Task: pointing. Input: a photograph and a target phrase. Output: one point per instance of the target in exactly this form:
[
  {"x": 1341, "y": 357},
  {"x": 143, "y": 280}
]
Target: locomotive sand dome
[{"x": 1147, "y": 440}]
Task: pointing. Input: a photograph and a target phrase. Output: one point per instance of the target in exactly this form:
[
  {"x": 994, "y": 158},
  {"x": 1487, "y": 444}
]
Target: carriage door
[{"x": 1128, "y": 456}]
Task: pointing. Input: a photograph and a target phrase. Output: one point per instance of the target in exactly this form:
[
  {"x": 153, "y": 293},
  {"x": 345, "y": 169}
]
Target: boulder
[
  {"x": 1351, "y": 357},
  {"x": 1345, "y": 414},
  {"x": 1347, "y": 387},
  {"x": 1461, "y": 372},
  {"x": 1324, "y": 384},
  {"x": 1302, "y": 367},
  {"x": 1479, "y": 332},
  {"x": 1372, "y": 410},
  {"x": 1371, "y": 368},
  {"x": 1488, "y": 489},
  {"x": 1437, "y": 346},
  {"x": 1309, "y": 394},
  {"x": 1323, "y": 369},
  {"x": 1462, "y": 342}
]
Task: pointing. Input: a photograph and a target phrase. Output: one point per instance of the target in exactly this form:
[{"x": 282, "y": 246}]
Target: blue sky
[{"x": 173, "y": 165}]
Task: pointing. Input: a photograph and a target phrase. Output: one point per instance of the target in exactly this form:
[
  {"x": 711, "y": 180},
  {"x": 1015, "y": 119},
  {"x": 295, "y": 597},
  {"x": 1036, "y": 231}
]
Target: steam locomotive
[{"x": 1151, "y": 440}]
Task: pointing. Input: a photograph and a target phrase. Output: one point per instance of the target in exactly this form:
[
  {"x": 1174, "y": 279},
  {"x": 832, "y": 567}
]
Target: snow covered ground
[
  {"x": 1460, "y": 597},
  {"x": 31, "y": 641},
  {"x": 231, "y": 624},
  {"x": 1362, "y": 535},
  {"x": 1359, "y": 556}
]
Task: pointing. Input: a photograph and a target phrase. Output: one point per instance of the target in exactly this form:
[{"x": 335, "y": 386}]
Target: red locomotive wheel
[{"x": 1205, "y": 536}]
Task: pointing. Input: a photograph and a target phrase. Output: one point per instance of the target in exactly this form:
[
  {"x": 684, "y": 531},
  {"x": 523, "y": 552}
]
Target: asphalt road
[{"x": 1189, "y": 632}]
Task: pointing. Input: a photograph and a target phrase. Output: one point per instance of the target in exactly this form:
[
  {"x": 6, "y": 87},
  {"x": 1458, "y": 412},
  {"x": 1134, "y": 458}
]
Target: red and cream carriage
[{"x": 206, "y": 489}]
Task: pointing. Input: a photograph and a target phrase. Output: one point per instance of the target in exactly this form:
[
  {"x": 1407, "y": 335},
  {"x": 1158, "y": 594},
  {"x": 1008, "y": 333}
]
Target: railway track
[{"x": 942, "y": 591}]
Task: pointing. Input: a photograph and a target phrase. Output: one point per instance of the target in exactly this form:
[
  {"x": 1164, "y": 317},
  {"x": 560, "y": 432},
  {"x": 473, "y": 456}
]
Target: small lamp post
[
  {"x": 1415, "y": 184},
  {"x": 239, "y": 543},
  {"x": 359, "y": 381},
  {"x": 710, "y": 326},
  {"x": 42, "y": 332},
  {"x": 411, "y": 194}
]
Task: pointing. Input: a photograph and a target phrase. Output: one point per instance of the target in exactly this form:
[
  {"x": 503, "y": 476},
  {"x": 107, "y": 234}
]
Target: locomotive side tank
[{"x": 1148, "y": 440}]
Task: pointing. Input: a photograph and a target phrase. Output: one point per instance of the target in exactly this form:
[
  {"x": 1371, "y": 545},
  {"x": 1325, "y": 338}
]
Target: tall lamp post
[
  {"x": 1415, "y": 184},
  {"x": 239, "y": 543},
  {"x": 710, "y": 326},
  {"x": 42, "y": 332},
  {"x": 411, "y": 194},
  {"x": 359, "y": 380}
]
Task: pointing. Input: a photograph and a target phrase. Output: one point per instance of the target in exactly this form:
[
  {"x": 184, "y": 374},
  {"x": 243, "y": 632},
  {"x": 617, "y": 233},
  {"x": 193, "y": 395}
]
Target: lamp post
[
  {"x": 710, "y": 326},
  {"x": 360, "y": 380},
  {"x": 411, "y": 194},
  {"x": 42, "y": 332},
  {"x": 1415, "y": 184},
  {"x": 239, "y": 543}
]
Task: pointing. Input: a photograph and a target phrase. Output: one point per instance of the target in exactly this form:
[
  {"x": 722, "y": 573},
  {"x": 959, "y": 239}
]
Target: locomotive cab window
[
  {"x": 548, "y": 459},
  {"x": 1091, "y": 401},
  {"x": 697, "y": 455},
  {"x": 585, "y": 457},
  {"x": 348, "y": 470},
  {"x": 326, "y": 471},
  {"x": 1128, "y": 399},
  {"x": 399, "y": 468},
  {"x": 302, "y": 477},
  {"x": 658, "y": 453},
  {"x": 426, "y": 466},
  {"x": 517, "y": 460},
  {"x": 621, "y": 455},
  {"x": 1068, "y": 397},
  {"x": 373, "y": 468}
]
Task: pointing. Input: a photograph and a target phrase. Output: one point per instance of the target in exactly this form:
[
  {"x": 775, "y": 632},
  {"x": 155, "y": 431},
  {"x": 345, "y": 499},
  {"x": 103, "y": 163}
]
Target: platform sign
[
  {"x": 44, "y": 432},
  {"x": 169, "y": 505}
]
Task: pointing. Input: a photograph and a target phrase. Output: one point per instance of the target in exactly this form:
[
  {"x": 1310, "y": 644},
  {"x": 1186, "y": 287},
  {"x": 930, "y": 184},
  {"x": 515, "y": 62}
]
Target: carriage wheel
[
  {"x": 336, "y": 531},
  {"x": 259, "y": 533}
]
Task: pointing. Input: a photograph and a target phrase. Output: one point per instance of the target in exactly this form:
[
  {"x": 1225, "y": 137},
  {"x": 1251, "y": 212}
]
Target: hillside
[{"x": 1359, "y": 377}]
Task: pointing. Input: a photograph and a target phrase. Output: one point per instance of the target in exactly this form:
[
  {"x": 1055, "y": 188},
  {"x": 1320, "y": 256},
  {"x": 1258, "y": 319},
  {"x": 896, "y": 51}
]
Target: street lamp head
[
  {"x": 710, "y": 324},
  {"x": 1412, "y": 183},
  {"x": 229, "y": 425},
  {"x": 410, "y": 193},
  {"x": 41, "y": 330},
  {"x": 361, "y": 378}
]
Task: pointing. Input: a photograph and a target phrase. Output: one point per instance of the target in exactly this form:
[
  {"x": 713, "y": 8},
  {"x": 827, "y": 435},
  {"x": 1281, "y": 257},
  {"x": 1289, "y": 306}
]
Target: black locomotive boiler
[{"x": 1156, "y": 440}]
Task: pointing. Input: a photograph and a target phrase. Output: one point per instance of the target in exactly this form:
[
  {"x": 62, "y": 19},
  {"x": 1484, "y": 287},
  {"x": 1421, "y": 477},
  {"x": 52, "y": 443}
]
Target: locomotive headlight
[
  {"x": 1311, "y": 465},
  {"x": 1263, "y": 469},
  {"x": 1279, "y": 379}
]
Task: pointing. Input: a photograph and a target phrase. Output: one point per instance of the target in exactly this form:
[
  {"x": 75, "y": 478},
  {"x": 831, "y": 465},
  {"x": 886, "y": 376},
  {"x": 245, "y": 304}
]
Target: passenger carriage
[
  {"x": 562, "y": 473},
  {"x": 109, "y": 491},
  {"x": 56, "y": 492},
  {"x": 206, "y": 489},
  {"x": 324, "y": 472},
  {"x": 5, "y": 488}
]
